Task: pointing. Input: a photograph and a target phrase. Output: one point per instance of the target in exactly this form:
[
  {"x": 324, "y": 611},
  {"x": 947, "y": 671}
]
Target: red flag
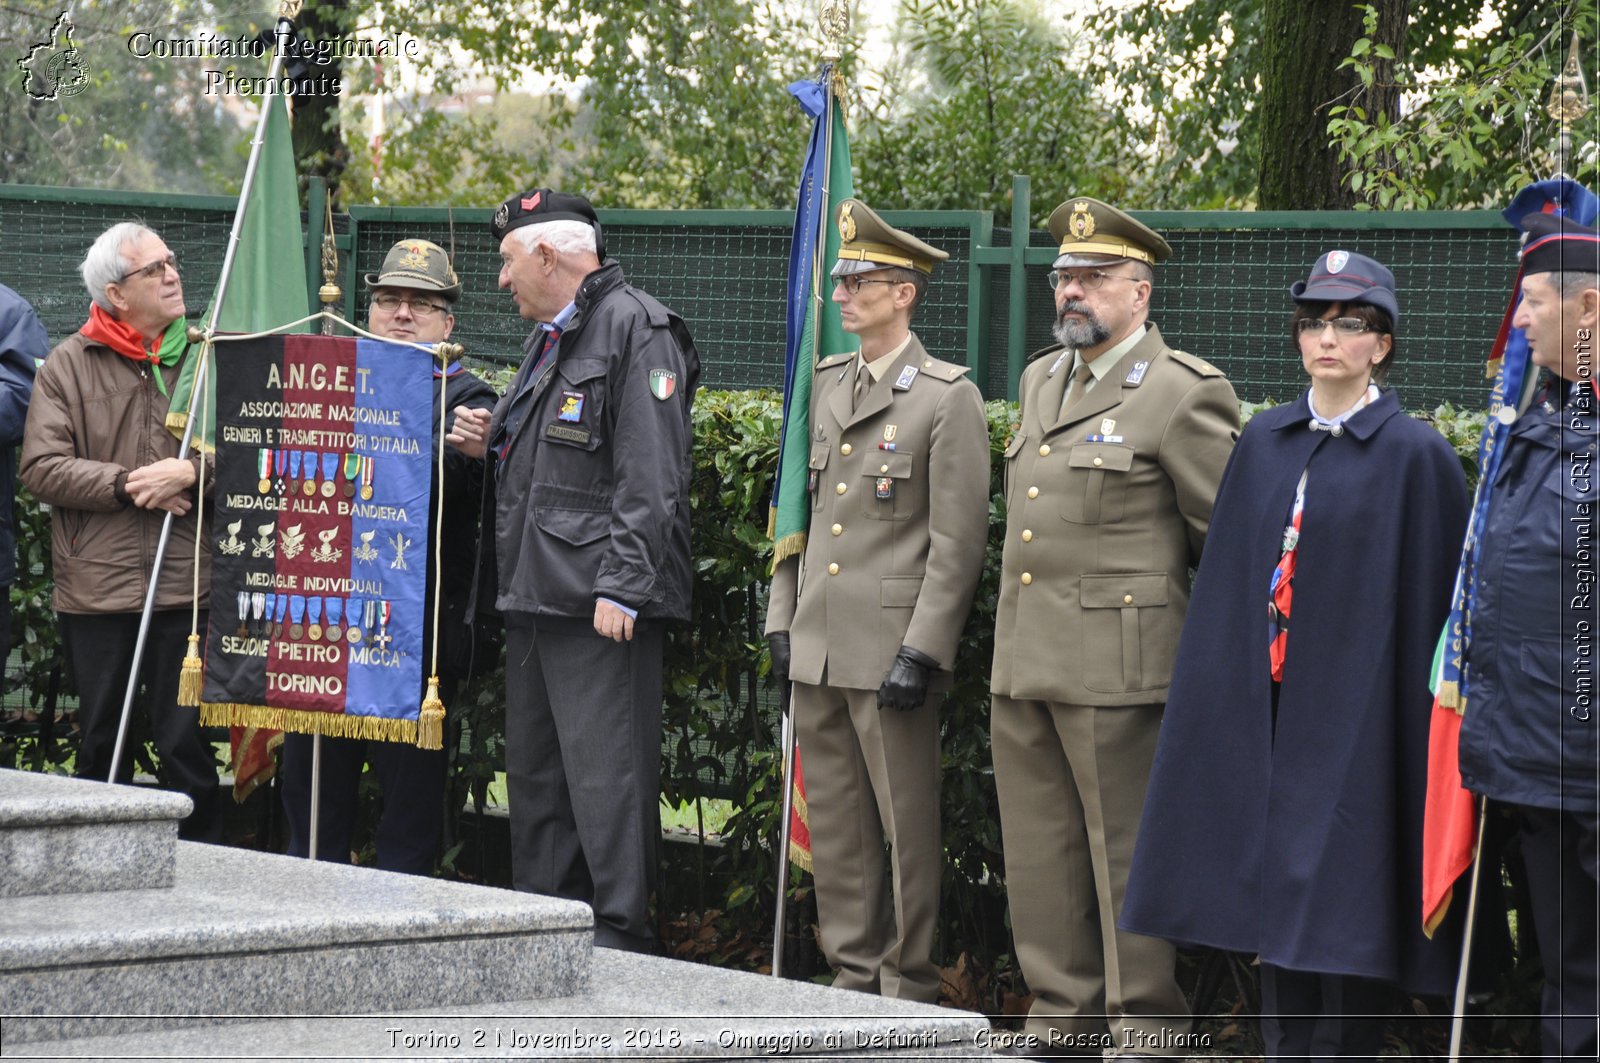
[
  {"x": 1449, "y": 821},
  {"x": 253, "y": 762},
  {"x": 799, "y": 819}
]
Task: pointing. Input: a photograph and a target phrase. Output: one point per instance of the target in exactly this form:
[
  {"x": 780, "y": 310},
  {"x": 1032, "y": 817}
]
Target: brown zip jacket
[{"x": 95, "y": 417}]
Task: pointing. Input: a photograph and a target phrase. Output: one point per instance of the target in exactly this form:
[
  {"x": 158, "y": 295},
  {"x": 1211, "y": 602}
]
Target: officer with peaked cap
[
  {"x": 865, "y": 622},
  {"x": 1528, "y": 730},
  {"x": 1111, "y": 470},
  {"x": 413, "y": 297},
  {"x": 590, "y": 466}
]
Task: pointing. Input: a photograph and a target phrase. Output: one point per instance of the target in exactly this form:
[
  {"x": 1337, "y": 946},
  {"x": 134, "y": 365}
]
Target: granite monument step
[
  {"x": 636, "y": 1007},
  {"x": 241, "y": 934},
  {"x": 61, "y": 835}
]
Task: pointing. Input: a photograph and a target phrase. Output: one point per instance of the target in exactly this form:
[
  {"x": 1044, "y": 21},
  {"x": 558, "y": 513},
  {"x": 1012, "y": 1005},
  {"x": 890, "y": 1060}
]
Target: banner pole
[
  {"x": 780, "y": 916},
  {"x": 284, "y": 29},
  {"x": 1458, "y": 1019}
]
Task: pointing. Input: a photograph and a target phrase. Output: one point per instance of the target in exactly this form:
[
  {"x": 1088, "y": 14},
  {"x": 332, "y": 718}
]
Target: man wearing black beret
[
  {"x": 590, "y": 452},
  {"x": 1529, "y": 716}
]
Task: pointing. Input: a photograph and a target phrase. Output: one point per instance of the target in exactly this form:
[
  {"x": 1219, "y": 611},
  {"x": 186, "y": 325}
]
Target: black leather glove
[
  {"x": 906, "y": 685},
  {"x": 778, "y": 643}
]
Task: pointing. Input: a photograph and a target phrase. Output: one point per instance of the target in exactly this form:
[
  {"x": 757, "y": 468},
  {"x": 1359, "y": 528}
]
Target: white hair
[
  {"x": 105, "y": 263},
  {"x": 568, "y": 237}
]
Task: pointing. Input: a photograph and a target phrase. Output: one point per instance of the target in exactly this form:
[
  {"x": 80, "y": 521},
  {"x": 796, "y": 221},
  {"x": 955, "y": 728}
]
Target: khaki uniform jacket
[
  {"x": 95, "y": 417},
  {"x": 878, "y": 573},
  {"x": 1107, "y": 510}
]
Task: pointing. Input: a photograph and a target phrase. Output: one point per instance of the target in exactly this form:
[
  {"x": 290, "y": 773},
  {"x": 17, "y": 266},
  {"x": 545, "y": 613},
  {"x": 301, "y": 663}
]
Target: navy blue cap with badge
[
  {"x": 539, "y": 205},
  {"x": 1557, "y": 244},
  {"x": 1349, "y": 277}
]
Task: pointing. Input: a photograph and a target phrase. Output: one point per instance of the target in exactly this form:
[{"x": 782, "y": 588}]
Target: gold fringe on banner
[
  {"x": 790, "y": 545},
  {"x": 430, "y": 721},
  {"x": 332, "y": 724},
  {"x": 190, "y": 677}
]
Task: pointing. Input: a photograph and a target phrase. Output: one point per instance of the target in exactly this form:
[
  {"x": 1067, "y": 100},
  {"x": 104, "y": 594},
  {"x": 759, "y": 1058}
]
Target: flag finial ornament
[{"x": 835, "y": 21}]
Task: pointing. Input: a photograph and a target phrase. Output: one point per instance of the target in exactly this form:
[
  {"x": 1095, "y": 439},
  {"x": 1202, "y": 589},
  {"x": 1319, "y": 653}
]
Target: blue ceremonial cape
[{"x": 1304, "y": 844}]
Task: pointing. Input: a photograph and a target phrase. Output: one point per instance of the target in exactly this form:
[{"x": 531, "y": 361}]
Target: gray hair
[
  {"x": 567, "y": 237},
  {"x": 1571, "y": 283},
  {"x": 105, "y": 263}
]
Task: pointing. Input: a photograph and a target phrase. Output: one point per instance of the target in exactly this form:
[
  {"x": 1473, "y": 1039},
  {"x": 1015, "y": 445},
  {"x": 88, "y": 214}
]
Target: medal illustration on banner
[
  {"x": 330, "y": 473},
  {"x": 352, "y": 472},
  {"x": 262, "y": 545},
  {"x": 258, "y": 609},
  {"x": 264, "y": 467},
  {"x": 232, "y": 546},
  {"x": 297, "y": 613},
  {"x": 334, "y": 607},
  {"x": 327, "y": 553},
  {"x": 280, "y": 609},
  {"x": 366, "y": 610},
  {"x": 244, "y": 614},
  {"x": 382, "y": 638},
  {"x": 314, "y": 618},
  {"x": 400, "y": 543},
  {"x": 366, "y": 551},
  {"x": 294, "y": 541},
  {"x": 366, "y": 479},
  {"x": 280, "y": 470},
  {"x": 295, "y": 457},
  {"x": 309, "y": 488}
]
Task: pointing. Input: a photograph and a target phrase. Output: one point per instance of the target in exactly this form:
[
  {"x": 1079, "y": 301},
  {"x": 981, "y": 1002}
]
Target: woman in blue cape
[{"x": 1284, "y": 815}]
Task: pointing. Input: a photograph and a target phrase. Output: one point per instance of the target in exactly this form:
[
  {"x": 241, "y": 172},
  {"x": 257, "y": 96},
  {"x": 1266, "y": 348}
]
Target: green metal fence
[{"x": 1223, "y": 296}]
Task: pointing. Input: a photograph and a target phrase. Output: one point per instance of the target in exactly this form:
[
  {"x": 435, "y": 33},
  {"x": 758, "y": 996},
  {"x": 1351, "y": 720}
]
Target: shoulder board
[
  {"x": 833, "y": 360},
  {"x": 939, "y": 369},
  {"x": 1199, "y": 365}
]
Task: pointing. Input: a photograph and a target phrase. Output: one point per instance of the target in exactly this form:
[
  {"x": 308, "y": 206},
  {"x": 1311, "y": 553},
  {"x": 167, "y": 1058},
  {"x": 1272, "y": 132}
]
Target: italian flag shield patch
[{"x": 663, "y": 382}]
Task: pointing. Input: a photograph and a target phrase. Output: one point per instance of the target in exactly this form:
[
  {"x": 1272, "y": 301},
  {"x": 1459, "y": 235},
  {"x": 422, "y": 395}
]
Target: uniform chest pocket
[
  {"x": 1574, "y": 478},
  {"x": 815, "y": 468},
  {"x": 573, "y": 409},
  {"x": 891, "y": 487},
  {"x": 1096, "y": 483}
]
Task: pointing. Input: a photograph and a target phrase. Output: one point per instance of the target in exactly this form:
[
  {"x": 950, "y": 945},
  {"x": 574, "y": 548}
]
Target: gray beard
[{"x": 1080, "y": 334}]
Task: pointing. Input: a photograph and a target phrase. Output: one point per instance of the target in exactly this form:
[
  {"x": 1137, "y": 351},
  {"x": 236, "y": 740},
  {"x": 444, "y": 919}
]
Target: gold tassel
[
  {"x": 190, "y": 677},
  {"x": 430, "y": 721}
]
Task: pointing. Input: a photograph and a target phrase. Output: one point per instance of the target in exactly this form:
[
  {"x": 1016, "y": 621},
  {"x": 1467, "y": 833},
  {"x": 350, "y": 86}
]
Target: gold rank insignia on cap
[
  {"x": 1092, "y": 233},
  {"x": 867, "y": 242}
]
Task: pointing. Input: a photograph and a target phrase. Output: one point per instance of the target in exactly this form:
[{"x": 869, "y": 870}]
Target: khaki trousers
[
  {"x": 1072, "y": 780},
  {"x": 872, "y": 776}
]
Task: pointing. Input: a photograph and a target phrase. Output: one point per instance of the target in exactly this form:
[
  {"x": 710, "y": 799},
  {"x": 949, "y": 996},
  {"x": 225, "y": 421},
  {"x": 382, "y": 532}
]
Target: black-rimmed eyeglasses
[{"x": 421, "y": 309}]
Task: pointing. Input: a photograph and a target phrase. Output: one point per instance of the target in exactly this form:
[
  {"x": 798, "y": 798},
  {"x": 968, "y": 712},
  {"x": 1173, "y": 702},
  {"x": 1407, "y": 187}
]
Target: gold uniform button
[
  {"x": 840, "y": 489},
  {"x": 838, "y": 529},
  {"x": 1033, "y": 492},
  {"x": 1027, "y": 578},
  {"x": 1027, "y": 535},
  {"x": 883, "y": 468},
  {"x": 1098, "y": 462},
  {"x": 846, "y": 449},
  {"x": 1127, "y": 599},
  {"x": 1044, "y": 451},
  {"x": 833, "y": 569}
]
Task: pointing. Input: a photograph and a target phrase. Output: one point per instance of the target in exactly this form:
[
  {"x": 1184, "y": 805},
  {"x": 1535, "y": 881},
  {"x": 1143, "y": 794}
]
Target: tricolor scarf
[{"x": 168, "y": 349}]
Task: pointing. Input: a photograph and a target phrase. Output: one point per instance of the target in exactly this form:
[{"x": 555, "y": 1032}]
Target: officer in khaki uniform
[
  {"x": 866, "y": 621},
  {"x": 1111, "y": 470}
]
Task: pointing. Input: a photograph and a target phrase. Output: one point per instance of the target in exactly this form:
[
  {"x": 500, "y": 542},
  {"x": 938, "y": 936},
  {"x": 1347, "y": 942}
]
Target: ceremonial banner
[{"x": 320, "y": 539}]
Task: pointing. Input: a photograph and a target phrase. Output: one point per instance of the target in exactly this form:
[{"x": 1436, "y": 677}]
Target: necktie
[
  {"x": 519, "y": 403},
  {"x": 1080, "y": 382},
  {"x": 863, "y": 382}
]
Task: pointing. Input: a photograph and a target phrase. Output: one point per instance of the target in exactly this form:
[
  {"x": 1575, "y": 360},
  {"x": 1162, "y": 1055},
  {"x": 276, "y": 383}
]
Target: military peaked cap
[
  {"x": 867, "y": 242},
  {"x": 1092, "y": 233}
]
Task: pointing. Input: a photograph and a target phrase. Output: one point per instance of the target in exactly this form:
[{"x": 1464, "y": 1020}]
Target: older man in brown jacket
[
  {"x": 97, "y": 449},
  {"x": 866, "y": 622},
  {"x": 1110, "y": 471}
]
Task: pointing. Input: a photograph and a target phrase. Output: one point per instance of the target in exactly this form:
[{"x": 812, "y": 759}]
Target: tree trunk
[
  {"x": 1303, "y": 44},
  {"x": 319, "y": 147}
]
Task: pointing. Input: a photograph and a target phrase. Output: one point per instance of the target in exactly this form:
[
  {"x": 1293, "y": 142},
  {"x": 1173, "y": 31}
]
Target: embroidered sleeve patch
[{"x": 663, "y": 382}]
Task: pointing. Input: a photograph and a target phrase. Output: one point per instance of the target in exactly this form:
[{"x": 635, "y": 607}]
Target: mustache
[{"x": 1074, "y": 306}]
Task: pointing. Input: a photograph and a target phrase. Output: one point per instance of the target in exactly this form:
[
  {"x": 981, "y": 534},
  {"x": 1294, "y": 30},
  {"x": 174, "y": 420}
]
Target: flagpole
[
  {"x": 835, "y": 21},
  {"x": 1458, "y": 1020},
  {"x": 285, "y": 28}
]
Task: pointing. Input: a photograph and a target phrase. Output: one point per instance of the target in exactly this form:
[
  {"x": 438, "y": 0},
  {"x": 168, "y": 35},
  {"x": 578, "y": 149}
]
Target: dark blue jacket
[
  {"x": 1302, "y": 842},
  {"x": 23, "y": 344},
  {"x": 1528, "y": 732}
]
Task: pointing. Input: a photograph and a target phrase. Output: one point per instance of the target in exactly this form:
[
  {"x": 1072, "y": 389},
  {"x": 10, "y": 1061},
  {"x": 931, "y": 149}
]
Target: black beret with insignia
[{"x": 539, "y": 205}]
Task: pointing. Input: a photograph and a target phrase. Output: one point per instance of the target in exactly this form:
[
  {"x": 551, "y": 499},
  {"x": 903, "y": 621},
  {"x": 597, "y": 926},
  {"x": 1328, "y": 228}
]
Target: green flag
[
  {"x": 813, "y": 325},
  {"x": 267, "y": 287}
]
